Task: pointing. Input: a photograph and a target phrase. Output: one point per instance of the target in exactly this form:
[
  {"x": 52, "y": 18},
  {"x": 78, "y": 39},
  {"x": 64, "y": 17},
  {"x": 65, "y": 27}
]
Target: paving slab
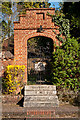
[{"x": 63, "y": 111}]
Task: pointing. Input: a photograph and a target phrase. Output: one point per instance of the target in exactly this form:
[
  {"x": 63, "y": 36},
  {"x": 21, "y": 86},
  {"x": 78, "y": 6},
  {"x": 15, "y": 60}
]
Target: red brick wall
[{"x": 27, "y": 28}]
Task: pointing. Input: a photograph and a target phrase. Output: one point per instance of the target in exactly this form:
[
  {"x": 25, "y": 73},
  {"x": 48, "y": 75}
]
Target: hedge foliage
[{"x": 66, "y": 65}]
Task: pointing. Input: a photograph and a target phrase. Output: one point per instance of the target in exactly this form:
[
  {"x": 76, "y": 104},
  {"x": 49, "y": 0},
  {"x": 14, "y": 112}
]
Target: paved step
[
  {"x": 40, "y": 96},
  {"x": 39, "y": 92},
  {"x": 41, "y": 104},
  {"x": 40, "y": 87}
]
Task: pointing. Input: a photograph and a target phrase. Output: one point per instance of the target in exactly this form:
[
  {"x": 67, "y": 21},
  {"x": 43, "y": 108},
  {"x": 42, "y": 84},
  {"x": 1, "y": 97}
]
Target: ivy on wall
[
  {"x": 65, "y": 64},
  {"x": 63, "y": 24}
]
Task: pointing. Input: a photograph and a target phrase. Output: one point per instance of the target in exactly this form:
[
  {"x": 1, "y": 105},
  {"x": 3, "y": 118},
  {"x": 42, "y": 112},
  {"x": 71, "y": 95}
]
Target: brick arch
[
  {"x": 48, "y": 35},
  {"x": 28, "y": 36}
]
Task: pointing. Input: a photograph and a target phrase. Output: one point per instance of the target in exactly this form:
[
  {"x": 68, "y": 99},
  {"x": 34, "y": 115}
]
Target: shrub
[
  {"x": 13, "y": 78},
  {"x": 66, "y": 65}
]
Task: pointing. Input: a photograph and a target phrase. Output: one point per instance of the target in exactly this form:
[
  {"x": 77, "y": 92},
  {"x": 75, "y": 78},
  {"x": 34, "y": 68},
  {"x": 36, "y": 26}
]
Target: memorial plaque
[{"x": 40, "y": 66}]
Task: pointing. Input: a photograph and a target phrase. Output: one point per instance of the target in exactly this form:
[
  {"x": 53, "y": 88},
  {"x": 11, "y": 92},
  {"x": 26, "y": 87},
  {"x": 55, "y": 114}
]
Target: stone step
[
  {"x": 41, "y": 104},
  {"x": 40, "y": 98},
  {"x": 40, "y": 87},
  {"x": 39, "y": 92}
]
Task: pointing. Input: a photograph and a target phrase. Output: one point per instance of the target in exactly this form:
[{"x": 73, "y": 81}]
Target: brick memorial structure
[{"x": 28, "y": 27}]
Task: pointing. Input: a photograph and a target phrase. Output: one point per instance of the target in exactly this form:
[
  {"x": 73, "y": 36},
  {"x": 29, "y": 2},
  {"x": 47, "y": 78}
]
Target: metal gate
[{"x": 39, "y": 60}]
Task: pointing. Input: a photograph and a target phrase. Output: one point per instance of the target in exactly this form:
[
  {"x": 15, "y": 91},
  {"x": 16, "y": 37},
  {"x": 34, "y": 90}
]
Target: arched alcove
[{"x": 39, "y": 52}]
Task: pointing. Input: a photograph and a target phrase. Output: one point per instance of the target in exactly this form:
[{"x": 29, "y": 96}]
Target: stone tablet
[{"x": 40, "y": 66}]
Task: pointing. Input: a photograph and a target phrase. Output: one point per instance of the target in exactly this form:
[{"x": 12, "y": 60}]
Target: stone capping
[
  {"x": 40, "y": 8},
  {"x": 30, "y": 28},
  {"x": 11, "y": 98},
  {"x": 23, "y": 15},
  {"x": 16, "y": 22}
]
